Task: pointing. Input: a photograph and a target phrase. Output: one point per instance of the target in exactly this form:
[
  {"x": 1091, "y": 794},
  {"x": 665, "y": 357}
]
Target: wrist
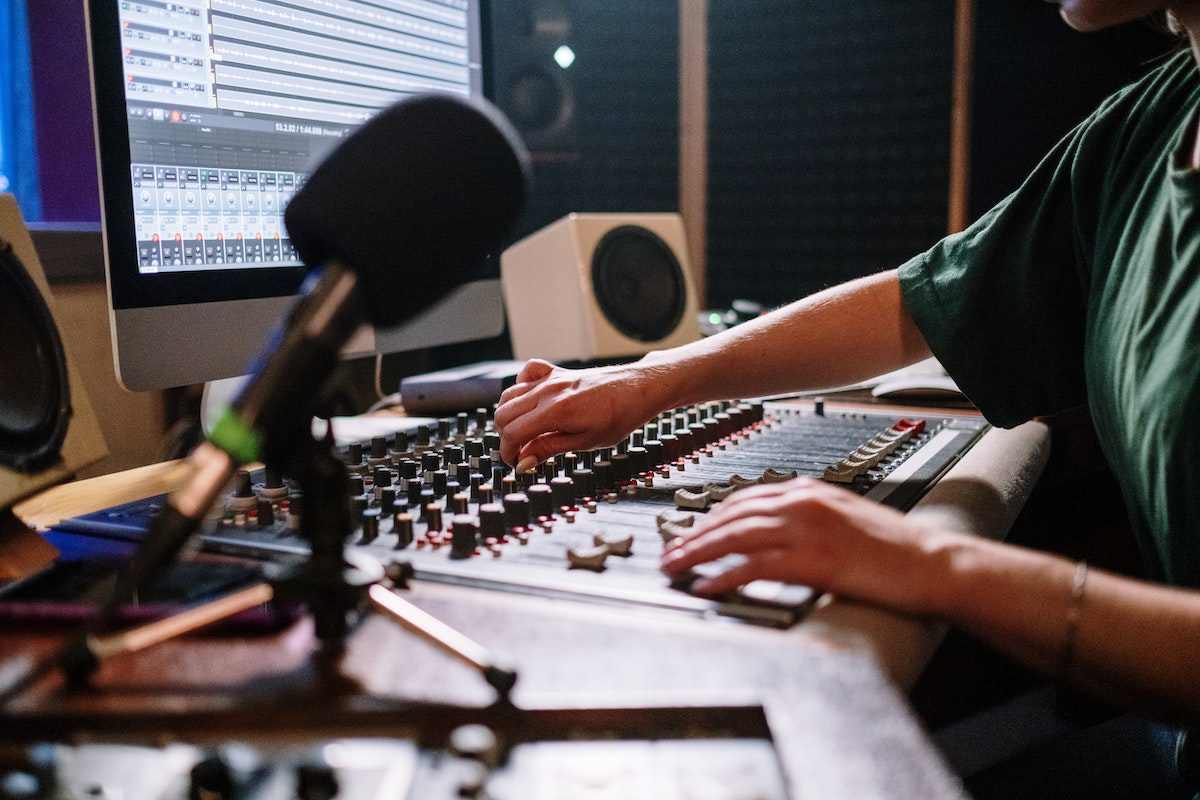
[{"x": 949, "y": 560}]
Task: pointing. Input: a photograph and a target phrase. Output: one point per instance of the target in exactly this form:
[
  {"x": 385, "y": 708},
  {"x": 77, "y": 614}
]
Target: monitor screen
[
  {"x": 230, "y": 102},
  {"x": 210, "y": 114}
]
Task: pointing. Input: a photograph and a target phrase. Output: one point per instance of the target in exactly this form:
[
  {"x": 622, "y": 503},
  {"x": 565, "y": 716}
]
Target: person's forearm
[
  {"x": 1135, "y": 643},
  {"x": 839, "y": 336}
]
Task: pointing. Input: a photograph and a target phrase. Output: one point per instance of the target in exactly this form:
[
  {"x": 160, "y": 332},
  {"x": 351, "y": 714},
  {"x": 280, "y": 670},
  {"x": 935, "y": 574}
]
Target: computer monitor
[{"x": 210, "y": 114}]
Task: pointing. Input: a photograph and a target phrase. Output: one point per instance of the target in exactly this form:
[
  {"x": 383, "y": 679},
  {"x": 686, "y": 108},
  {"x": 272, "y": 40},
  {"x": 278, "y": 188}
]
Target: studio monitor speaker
[
  {"x": 600, "y": 286},
  {"x": 47, "y": 427}
]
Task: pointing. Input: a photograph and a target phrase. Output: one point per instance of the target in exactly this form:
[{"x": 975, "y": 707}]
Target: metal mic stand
[{"x": 276, "y": 411}]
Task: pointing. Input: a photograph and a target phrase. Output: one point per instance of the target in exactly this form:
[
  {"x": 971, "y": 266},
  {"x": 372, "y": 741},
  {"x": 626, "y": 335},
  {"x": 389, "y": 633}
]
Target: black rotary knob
[
  {"x": 464, "y": 536},
  {"x": 382, "y": 476},
  {"x": 491, "y": 521},
  {"x": 481, "y": 419},
  {"x": 452, "y": 453},
  {"x": 378, "y": 447},
  {"x": 440, "y": 476},
  {"x": 585, "y": 482},
  {"x": 656, "y": 451},
  {"x": 266, "y": 513},
  {"x": 491, "y": 442},
  {"x": 541, "y": 500},
  {"x": 356, "y": 485},
  {"x": 273, "y": 480},
  {"x": 430, "y": 461},
  {"x": 423, "y": 436},
  {"x": 639, "y": 460},
  {"x": 316, "y": 782},
  {"x": 387, "y": 500},
  {"x": 622, "y": 471},
  {"x": 370, "y": 525},
  {"x": 485, "y": 466},
  {"x": 354, "y": 454},
  {"x": 516, "y": 510},
  {"x": 604, "y": 475},
  {"x": 433, "y": 517},
  {"x": 462, "y": 423},
  {"x": 444, "y": 429},
  {"x": 400, "y": 442},
  {"x": 563, "y": 489},
  {"x": 402, "y": 526},
  {"x": 242, "y": 485}
]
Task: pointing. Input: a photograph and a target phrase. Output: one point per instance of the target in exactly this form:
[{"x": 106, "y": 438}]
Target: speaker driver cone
[
  {"x": 639, "y": 283},
  {"x": 35, "y": 398}
]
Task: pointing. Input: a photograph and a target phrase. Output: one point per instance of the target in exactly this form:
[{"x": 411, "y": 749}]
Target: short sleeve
[{"x": 1001, "y": 304}]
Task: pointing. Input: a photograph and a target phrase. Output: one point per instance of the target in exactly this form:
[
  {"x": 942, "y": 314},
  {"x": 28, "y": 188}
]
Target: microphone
[{"x": 403, "y": 211}]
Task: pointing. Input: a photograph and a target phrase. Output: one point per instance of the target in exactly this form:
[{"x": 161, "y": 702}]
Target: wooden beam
[
  {"x": 958, "y": 216},
  {"x": 693, "y": 135}
]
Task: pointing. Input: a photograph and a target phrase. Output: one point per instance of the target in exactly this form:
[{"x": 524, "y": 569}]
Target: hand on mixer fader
[
  {"x": 810, "y": 532},
  {"x": 551, "y": 410}
]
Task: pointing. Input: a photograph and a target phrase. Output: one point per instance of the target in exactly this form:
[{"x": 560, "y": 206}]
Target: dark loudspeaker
[
  {"x": 47, "y": 426},
  {"x": 598, "y": 286},
  {"x": 593, "y": 87}
]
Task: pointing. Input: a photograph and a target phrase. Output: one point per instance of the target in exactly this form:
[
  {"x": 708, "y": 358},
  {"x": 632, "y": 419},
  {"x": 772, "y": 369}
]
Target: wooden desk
[{"x": 831, "y": 688}]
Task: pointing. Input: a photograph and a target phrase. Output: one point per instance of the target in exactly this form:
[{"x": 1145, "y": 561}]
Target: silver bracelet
[{"x": 1074, "y": 612}]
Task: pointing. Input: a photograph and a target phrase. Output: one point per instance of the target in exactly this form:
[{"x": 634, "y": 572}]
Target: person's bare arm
[
  {"x": 1135, "y": 643},
  {"x": 836, "y": 337}
]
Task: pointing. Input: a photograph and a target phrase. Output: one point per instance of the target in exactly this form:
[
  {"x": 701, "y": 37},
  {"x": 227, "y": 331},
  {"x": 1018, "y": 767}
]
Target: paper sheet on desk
[{"x": 929, "y": 368}]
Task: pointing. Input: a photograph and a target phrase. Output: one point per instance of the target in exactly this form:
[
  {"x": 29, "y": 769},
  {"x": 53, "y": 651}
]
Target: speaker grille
[
  {"x": 639, "y": 284},
  {"x": 35, "y": 400},
  {"x": 829, "y": 128}
]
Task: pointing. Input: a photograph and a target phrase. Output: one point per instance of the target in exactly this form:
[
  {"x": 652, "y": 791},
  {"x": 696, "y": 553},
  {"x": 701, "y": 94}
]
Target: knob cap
[
  {"x": 464, "y": 533},
  {"x": 516, "y": 510}
]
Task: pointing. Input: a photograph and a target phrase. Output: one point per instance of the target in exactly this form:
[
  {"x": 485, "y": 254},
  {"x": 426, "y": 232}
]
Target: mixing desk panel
[{"x": 590, "y": 525}]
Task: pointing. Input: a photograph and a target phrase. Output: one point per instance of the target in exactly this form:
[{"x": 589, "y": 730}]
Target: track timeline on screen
[{"x": 231, "y": 103}]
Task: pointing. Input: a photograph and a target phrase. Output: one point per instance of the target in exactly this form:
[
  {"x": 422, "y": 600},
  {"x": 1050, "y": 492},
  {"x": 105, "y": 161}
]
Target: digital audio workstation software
[{"x": 231, "y": 102}]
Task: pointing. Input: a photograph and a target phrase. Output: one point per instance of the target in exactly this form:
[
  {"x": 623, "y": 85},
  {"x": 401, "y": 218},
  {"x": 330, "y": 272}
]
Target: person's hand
[
  {"x": 551, "y": 410},
  {"x": 810, "y": 532}
]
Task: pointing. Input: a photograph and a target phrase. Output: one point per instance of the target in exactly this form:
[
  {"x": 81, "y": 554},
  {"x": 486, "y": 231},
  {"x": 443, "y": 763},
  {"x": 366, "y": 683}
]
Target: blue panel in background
[{"x": 18, "y": 145}]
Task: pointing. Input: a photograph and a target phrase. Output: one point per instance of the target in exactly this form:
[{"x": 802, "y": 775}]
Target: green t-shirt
[{"x": 1083, "y": 286}]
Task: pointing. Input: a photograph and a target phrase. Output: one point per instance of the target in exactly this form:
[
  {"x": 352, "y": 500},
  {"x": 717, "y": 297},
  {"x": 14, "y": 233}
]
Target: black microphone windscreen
[{"x": 414, "y": 201}]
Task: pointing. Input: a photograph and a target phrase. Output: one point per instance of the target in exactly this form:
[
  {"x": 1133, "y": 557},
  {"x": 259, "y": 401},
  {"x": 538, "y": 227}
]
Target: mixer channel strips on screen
[
  {"x": 197, "y": 218},
  {"x": 589, "y": 525}
]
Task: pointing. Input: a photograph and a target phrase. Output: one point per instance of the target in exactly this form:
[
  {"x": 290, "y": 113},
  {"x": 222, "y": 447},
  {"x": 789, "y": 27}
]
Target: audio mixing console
[{"x": 589, "y": 525}]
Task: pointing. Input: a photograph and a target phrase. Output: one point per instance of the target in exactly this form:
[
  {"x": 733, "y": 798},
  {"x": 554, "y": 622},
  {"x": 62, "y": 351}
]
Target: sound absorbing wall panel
[
  {"x": 603, "y": 130},
  {"x": 829, "y": 136}
]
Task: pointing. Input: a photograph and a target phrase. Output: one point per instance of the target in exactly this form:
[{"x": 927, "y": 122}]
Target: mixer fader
[{"x": 588, "y": 525}]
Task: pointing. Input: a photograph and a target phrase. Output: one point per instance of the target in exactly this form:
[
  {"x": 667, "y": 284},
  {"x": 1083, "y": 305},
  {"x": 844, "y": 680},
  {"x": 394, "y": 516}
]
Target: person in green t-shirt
[{"x": 1082, "y": 287}]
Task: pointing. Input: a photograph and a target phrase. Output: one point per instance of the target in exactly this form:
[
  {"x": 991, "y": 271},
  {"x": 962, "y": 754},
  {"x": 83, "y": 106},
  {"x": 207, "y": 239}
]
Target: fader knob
[
  {"x": 516, "y": 510},
  {"x": 563, "y": 490},
  {"x": 491, "y": 521},
  {"x": 541, "y": 500},
  {"x": 464, "y": 536}
]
